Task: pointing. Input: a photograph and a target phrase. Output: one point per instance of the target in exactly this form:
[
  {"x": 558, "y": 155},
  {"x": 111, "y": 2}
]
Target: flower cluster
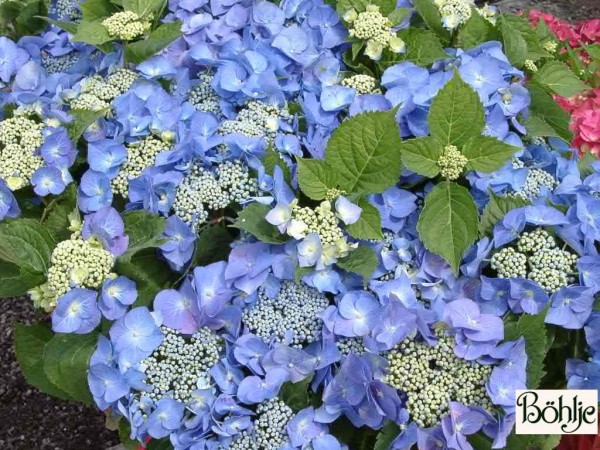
[
  {"x": 375, "y": 29},
  {"x": 126, "y": 25},
  {"x": 454, "y": 12}
]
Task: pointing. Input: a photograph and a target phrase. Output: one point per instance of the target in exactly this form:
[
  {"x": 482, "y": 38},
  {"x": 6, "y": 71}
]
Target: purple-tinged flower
[
  {"x": 526, "y": 296},
  {"x": 211, "y": 289},
  {"x": 254, "y": 389},
  {"x": 459, "y": 423},
  {"x": 296, "y": 362},
  {"x": 117, "y": 294},
  {"x": 249, "y": 350},
  {"x": 248, "y": 266},
  {"x": 357, "y": 314},
  {"x": 76, "y": 312},
  {"x": 177, "y": 311},
  {"x": 303, "y": 428},
  {"x": 394, "y": 205},
  {"x": 107, "y": 226}
]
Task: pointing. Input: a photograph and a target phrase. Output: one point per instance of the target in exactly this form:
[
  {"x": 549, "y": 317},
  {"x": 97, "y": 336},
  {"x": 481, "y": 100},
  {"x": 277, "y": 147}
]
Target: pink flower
[
  {"x": 585, "y": 120},
  {"x": 589, "y": 31}
]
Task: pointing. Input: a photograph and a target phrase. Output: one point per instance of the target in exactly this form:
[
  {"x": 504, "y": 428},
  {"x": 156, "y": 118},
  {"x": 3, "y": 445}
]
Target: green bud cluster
[
  {"x": 550, "y": 46},
  {"x": 364, "y": 84},
  {"x": 374, "y": 28},
  {"x": 62, "y": 63},
  {"x": 456, "y": 12},
  {"x": 333, "y": 193},
  {"x": 203, "y": 96},
  {"x": 488, "y": 14},
  {"x": 352, "y": 345},
  {"x": 20, "y": 139},
  {"x": 181, "y": 364},
  {"x": 530, "y": 65},
  {"x": 140, "y": 156},
  {"x": 97, "y": 92},
  {"x": 451, "y": 162},
  {"x": 433, "y": 376},
  {"x": 204, "y": 190},
  {"x": 290, "y": 317},
  {"x": 66, "y": 10},
  {"x": 321, "y": 220},
  {"x": 75, "y": 263},
  {"x": 257, "y": 119},
  {"x": 536, "y": 180},
  {"x": 269, "y": 431},
  {"x": 538, "y": 258},
  {"x": 126, "y": 25}
]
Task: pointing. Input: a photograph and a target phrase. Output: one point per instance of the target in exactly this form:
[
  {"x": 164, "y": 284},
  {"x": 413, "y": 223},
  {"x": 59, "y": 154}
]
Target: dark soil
[{"x": 31, "y": 420}]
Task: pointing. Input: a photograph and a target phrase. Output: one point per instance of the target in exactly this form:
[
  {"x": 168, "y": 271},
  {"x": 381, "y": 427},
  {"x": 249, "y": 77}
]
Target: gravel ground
[{"x": 31, "y": 420}]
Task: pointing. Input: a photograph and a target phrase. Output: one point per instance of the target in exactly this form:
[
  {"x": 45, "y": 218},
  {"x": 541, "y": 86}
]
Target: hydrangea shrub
[{"x": 298, "y": 225}]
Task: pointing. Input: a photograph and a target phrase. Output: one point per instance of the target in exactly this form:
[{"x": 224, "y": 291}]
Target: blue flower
[
  {"x": 154, "y": 190},
  {"x": 9, "y": 208},
  {"x": 357, "y": 314},
  {"x": 76, "y": 312},
  {"x": 347, "y": 211},
  {"x": 94, "y": 192},
  {"x": 165, "y": 418},
  {"x": 107, "y": 384},
  {"x": 12, "y": 58},
  {"x": 179, "y": 247},
  {"x": 106, "y": 156},
  {"x": 526, "y": 296},
  {"x": 394, "y": 205},
  {"x": 117, "y": 294},
  {"x": 570, "y": 307},
  {"x": 254, "y": 389},
  {"x": 58, "y": 150},
  {"x": 582, "y": 375},
  {"x": 48, "y": 180},
  {"x": 212, "y": 291},
  {"x": 136, "y": 335}
]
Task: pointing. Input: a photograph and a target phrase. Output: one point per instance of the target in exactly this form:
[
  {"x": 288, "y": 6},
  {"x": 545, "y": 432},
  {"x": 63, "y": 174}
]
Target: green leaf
[
  {"x": 544, "y": 106},
  {"x": 343, "y": 6},
  {"x": 365, "y": 152},
  {"x": 160, "y": 38},
  {"x": 533, "y": 442},
  {"x": 398, "y": 15},
  {"x": 421, "y": 155},
  {"x": 496, "y": 208},
  {"x": 515, "y": 46},
  {"x": 144, "y": 7},
  {"x": 55, "y": 217},
  {"x": 386, "y": 436},
  {"x": 69, "y": 27},
  {"x": 368, "y": 226},
  {"x": 124, "y": 435},
  {"x": 296, "y": 395},
  {"x": 561, "y": 80},
  {"x": 456, "y": 113},
  {"x": 584, "y": 163},
  {"x": 487, "y": 154},
  {"x": 144, "y": 230},
  {"x": 361, "y": 261},
  {"x": 82, "y": 120},
  {"x": 480, "y": 441},
  {"x": 150, "y": 274},
  {"x": 422, "y": 46},
  {"x": 94, "y": 10},
  {"x": 476, "y": 31},
  {"x": 16, "y": 281},
  {"x": 448, "y": 223},
  {"x": 30, "y": 341},
  {"x": 26, "y": 244},
  {"x": 274, "y": 159},
  {"x": 537, "y": 126},
  {"x": 93, "y": 33},
  {"x": 159, "y": 444},
  {"x": 66, "y": 358},
  {"x": 213, "y": 245},
  {"x": 28, "y": 20},
  {"x": 533, "y": 329},
  {"x": 432, "y": 18},
  {"x": 316, "y": 178},
  {"x": 252, "y": 219}
]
